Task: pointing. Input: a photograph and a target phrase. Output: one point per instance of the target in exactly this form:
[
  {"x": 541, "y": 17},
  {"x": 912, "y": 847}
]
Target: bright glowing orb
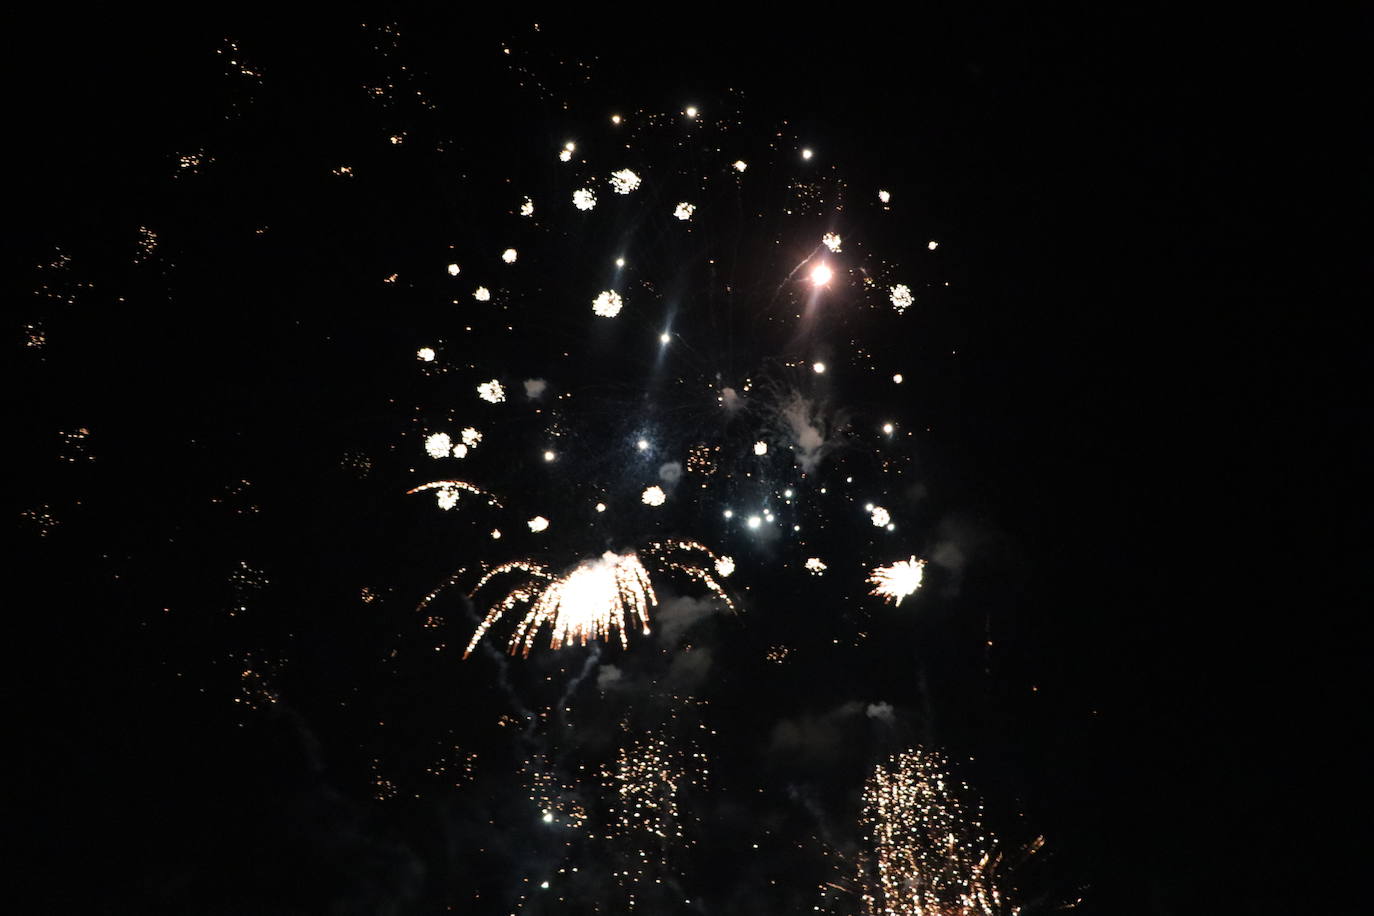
[
  {"x": 538, "y": 524},
  {"x": 453, "y": 270},
  {"x": 760, "y": 448},
  {"x": 818, "y": 368},
  {"x": 821, "y": 274},
  {"x": 584, "y": 199},
  {"x": 509, "y": 255}
]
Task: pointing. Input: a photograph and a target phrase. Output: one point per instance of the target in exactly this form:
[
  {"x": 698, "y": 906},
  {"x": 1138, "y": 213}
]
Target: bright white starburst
[
  {"x": 898, "y": 580},
  {"x": 538, "y": 524},
  {"x": 831, "y": 240},
  {"x": 653, "y": 496},
  {"x": 684, "y": 211},
  {"x": 527, "y": 208},
  {"x": 821, "y": 274},
  {"x": 881, "y": 517},
  {"x": 482, "y": 294},
  {"x": 624, "y": 181},
  {"x": 471, "y": 437},
  {"x": 741, "y": 165},
  {"x": 901, "y": 297},
  {"x": 425, "y": 354},
  {"x": 607, "y": 304},
  {"x": 725, "y": 566},
  {"x": 491, "y": 392},
  {"x": 584, "y": 199},
  {"x": 760, "y": 448},
  {"x": 816, "y": 566},
  {"x": 509, "y": 255},
  {"x": 438, "y": 445}
]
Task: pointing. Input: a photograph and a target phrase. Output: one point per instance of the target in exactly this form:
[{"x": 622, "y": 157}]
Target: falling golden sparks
[
  {"x": 926, "y": 850},
  {"x": 595, "y": 600},
  {"x": 449, "y": 492},
  {"x": 897, "y": 580}
]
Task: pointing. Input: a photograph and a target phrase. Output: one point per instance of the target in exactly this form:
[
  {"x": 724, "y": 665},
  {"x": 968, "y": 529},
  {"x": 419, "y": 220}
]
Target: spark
[
  {"x": 885, "y": 196},
  {"x": 438, "y": 445},
  {"x": 642, "y": 445},
  {"x": 593, "y": 601},
  {"x": 821, "y": 274},
  {"x": 818, "y": 368},
  {"x": 624, "y": 181},
  {"x": 549, "y": 456},
  {"x": 453, "y": 270},
  {"x": 565, "y": 154},
  {"x": 449, "y": 491},
  {"x": 607, "y": 304},
  {"x": 653, "y": 496},
  {"x": 926, "y": 849},
  {"x": 806, "y": 154},
  {"x": 538, "y": 524},
  {"x": 897, "y": 379},
  {"x": 615, "y": 119},
  {"x": 482, "y": 294},
  {"x": 816, "y": 565},
  {"x": 897, "y": 580},
  {"x": 471, "y": 437},
  {"x": 754, "y": 521},
  {"x": 491, "y": 392},
  {"x": 741, "y": 165},
  {"x": 600, "y": 507},
  {"x": 888, "y": 428},
  {"x": 527, "y": 208},
  {"x": 619, "y": 262},
  {"x": 496, "y": 534},
  {"x": 691, "y": 111},
  {"x": 684, "y": 211},
  {"x": 880, "y": 516},
  {"x": 832, "y": 241},
  {"x": 729, "y": 513},
  {"x": 584, "y": 199},
  {"x": 760, "y": 448},
  {"x": 932, "y": 244},
  {"x": 509, "y": 255},
  {"x": 665, "y": 337},
  {"x": 901, "y": 297},
  {"x": 725, "y": 566},
  {"x": 425, "y": 354}
]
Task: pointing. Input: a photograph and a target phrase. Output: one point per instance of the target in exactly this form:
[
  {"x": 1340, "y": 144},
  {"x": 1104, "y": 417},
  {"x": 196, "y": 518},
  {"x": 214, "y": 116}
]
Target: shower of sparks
[
  {"x": 538, "y": 524},
  {"x": 901, "y": 297},
  {"x": 584, "y": 199},
  {"x": 897, "y": 580},
  {"x": 684, "y": 211},
  {"x": 725, "y": 566},
  {"x": 449, "y": 491},
  {"x": 482, "y": 294},
  {"x": 653, "y": 496},
  {"x": 595, "y": 600},
  {"x": 926, "y": 850},
  {"x": 832, "y": 241},
  {"x": 607, "y": 304},
  {"x": 816, "y": 566},
  {"x": 509, "y": 255},
  {"x": 624, "y": 181},
  {"x": 453, "y": 270},
  {"x": 425, "y": 354},
  {"x": 821, "y": 274},
  {"x": 880, "y": 516},
  {"x": 471, "y": 437},
  {"x": 527, "y": 208},
  {"x": 491, "y": 392},
  {"x": 438, "y": 445}
]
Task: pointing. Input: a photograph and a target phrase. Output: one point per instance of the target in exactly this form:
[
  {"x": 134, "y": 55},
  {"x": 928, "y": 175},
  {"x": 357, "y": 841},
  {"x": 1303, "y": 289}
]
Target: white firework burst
[{"x": 897, "y": 580}]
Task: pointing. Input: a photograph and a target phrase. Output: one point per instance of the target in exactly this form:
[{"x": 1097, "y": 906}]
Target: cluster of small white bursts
[{"x": 604, "y": 597}]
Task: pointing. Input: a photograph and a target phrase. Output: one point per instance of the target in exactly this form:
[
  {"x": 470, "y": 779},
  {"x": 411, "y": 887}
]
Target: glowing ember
[{"x": 607, "y": 304}]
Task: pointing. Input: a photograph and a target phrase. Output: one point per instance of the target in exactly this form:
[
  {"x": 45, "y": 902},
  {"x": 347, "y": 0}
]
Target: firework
[
  {"x": 624, "y": 181},
  {"x": 926, "y": 850},
  {"x": 607, "y": 304},
  {"x": 684, "y": 211},
  {"x": 593, "y": 601},
  {"x": 897, "y": 580},
  {"x": 901, "y": 297},
  {"x": 449, "y": 492},
  {"x": 832, "y": 241},
  {"x": 584, "y": 199},
  {"x": 653, "y": 496},
  {"x": 491, "y": 392}
]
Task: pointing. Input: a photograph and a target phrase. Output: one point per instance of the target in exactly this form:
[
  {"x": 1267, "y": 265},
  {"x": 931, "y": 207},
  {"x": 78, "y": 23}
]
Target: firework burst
[{"x": 897, "y": 580}]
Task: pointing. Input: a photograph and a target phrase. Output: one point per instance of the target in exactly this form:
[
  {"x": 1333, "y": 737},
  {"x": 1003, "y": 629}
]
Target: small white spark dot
[
  {"x": 897, "y": 379},
  {"x": 691, "y": 112},
  {"x": 482, "y": 294},
  {"x": 901, "y": 297},
  {"x": 509, "y": 255},
  {"x": 600, "y": 507},
  {"x": 760, "y": 448},
  {"x": 932, "y": 244},
  {"x": 818, "y": 368},
  {"x": 741, "y": 165},
  {"x": 453, "y": 270},
  {"x": 881, "y": 517},
  {"x": 664, "y": 337},
  {"x": 624, "y": 181},
  {"x": 538, "y": 524},
  {"x": 888, "y": 428},
  {"x": 527, "y": 208},
  {"x": 885, "y": 197},
  {"x": 549, "y": 456}
]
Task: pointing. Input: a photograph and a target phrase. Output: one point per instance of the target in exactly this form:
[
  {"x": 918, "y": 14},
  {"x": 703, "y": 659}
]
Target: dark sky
[{"x": 1135, "y": 394}]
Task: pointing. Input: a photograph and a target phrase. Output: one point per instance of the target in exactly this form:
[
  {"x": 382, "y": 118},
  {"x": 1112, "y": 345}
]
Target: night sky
[{"x": 1120, "y": 442}]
